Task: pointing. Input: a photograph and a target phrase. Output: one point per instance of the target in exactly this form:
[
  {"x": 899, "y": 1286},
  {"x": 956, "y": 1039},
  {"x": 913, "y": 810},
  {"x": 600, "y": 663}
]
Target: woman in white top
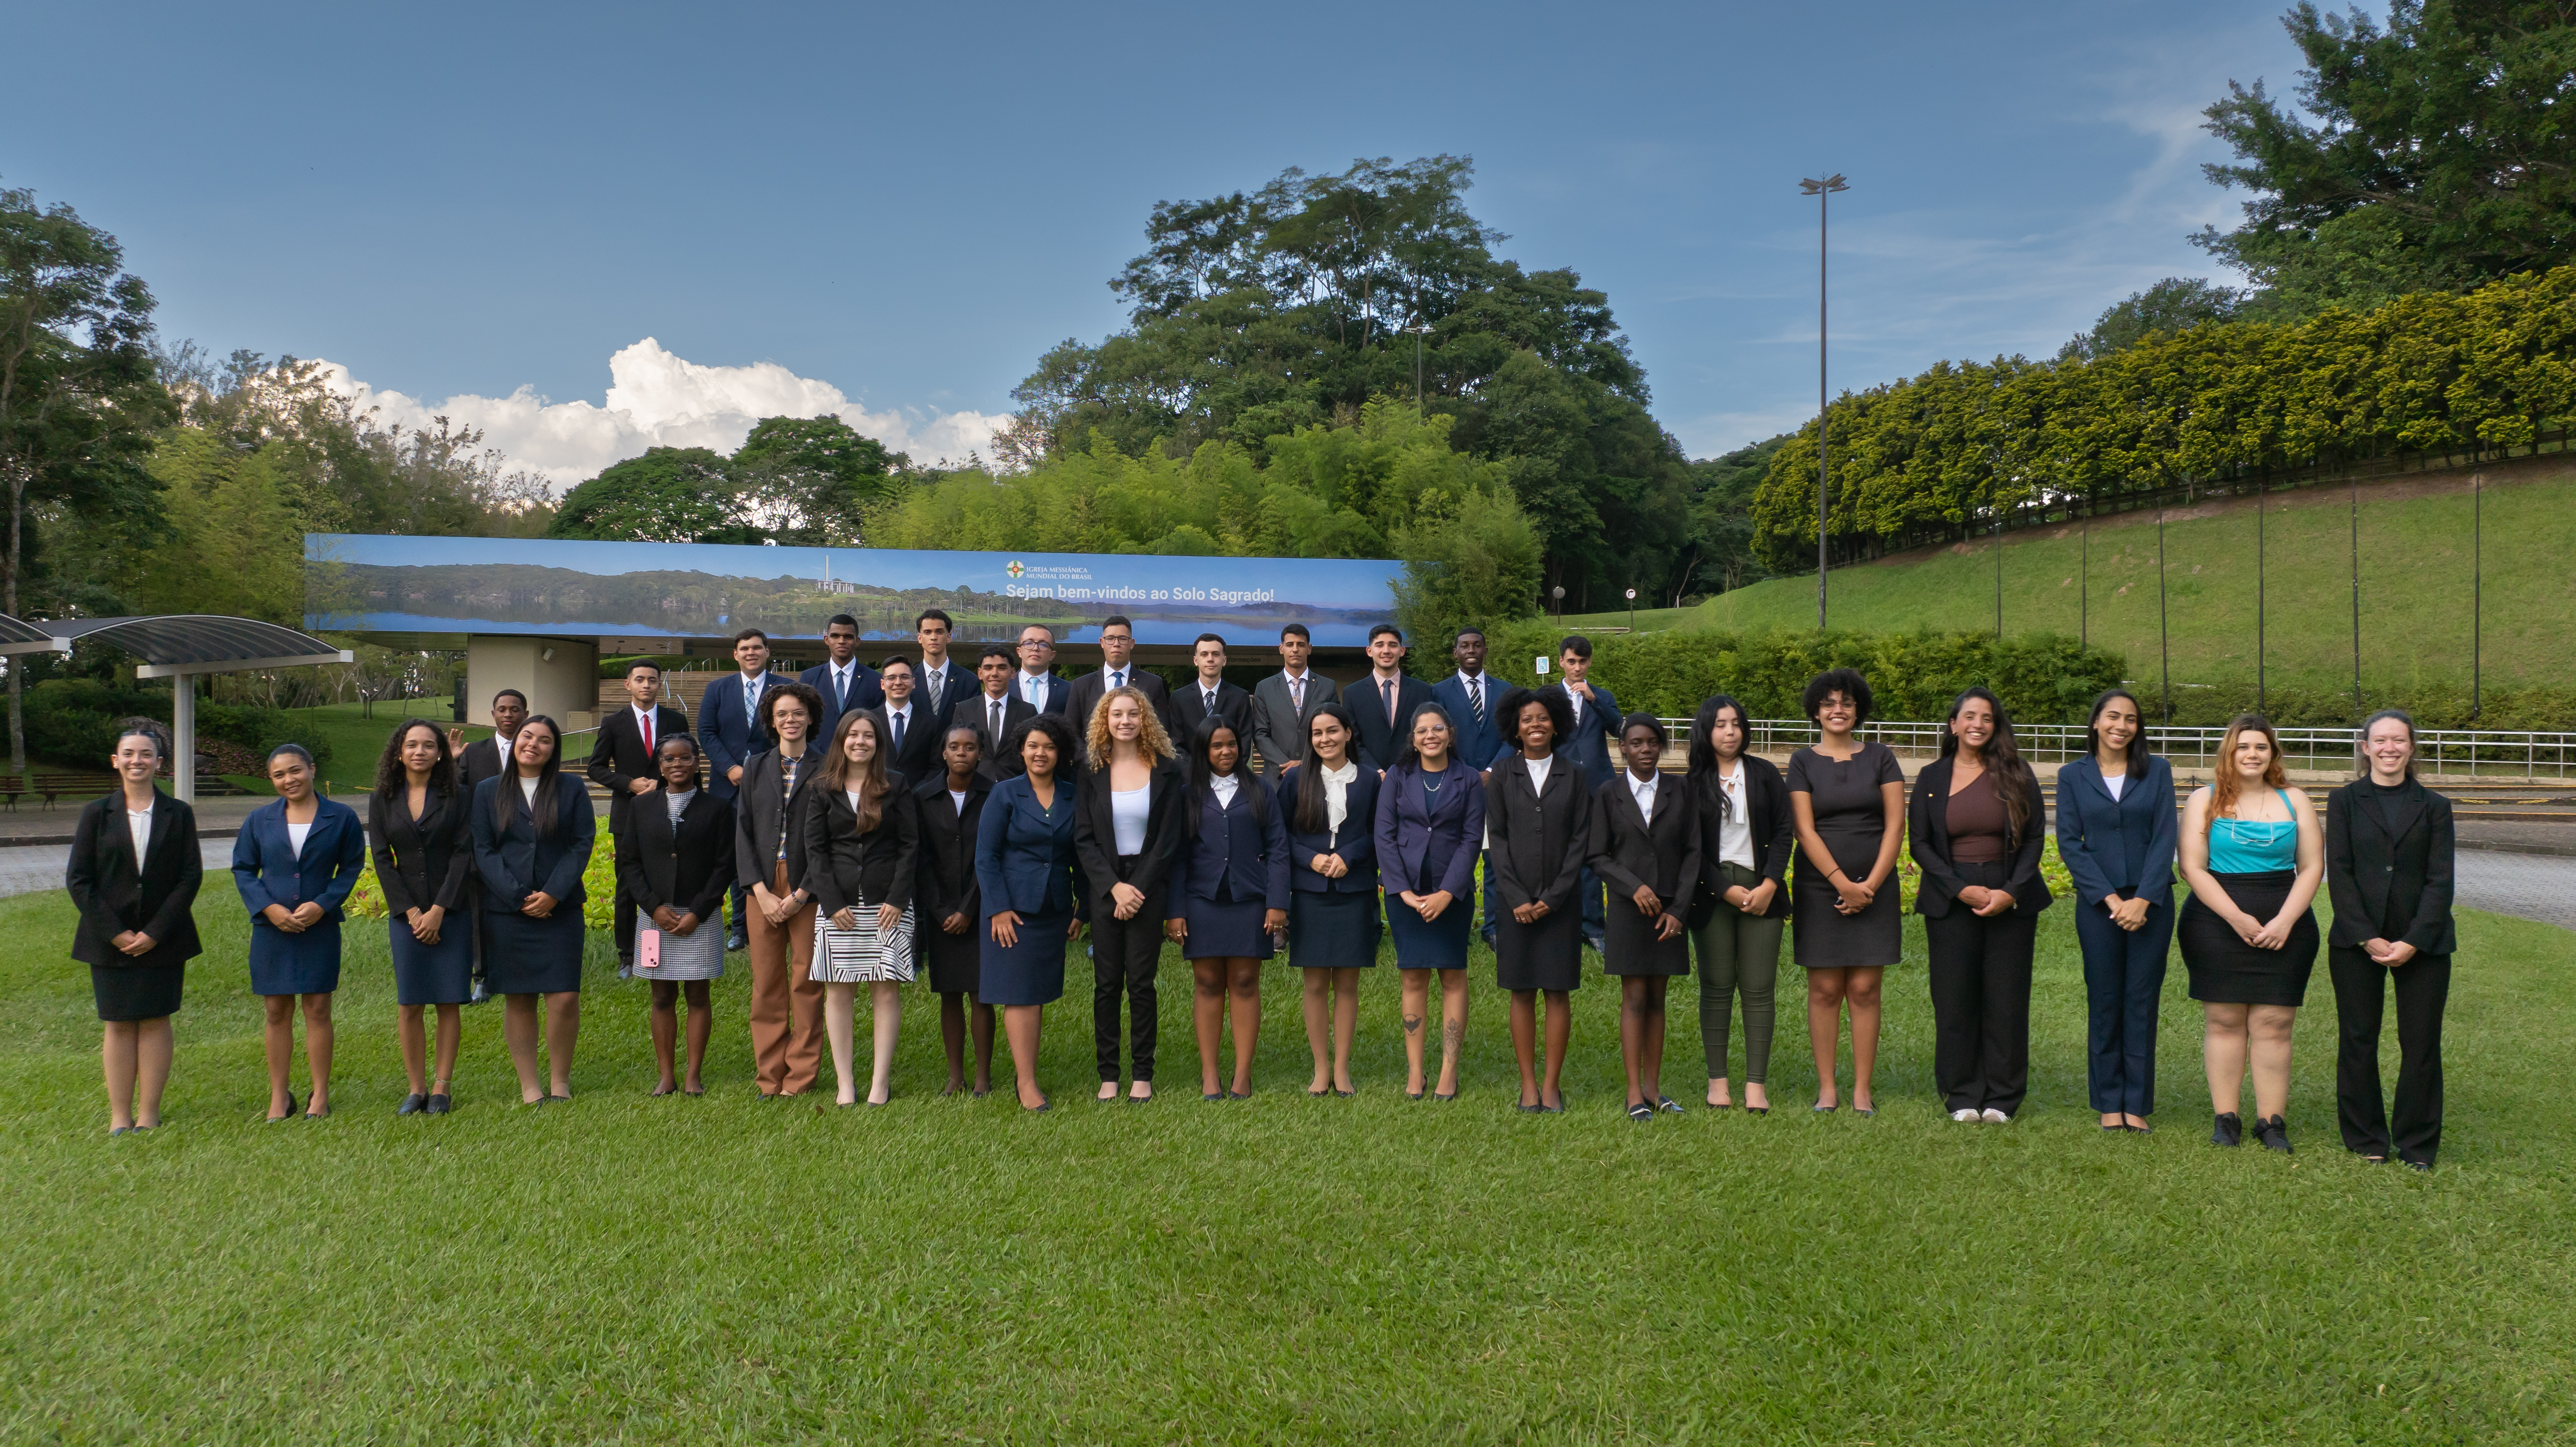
[
  {"x": 1123, "y": 836},
  {"x": 295, "y": 862},
  {"x": 1331, "y": 801},
  {"x": 1741, "y": 906},
  {"x": 138, "y": 929}
]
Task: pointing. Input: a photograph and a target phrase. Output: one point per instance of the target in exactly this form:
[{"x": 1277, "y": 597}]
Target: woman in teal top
[{"x": 2254, "y": 854}]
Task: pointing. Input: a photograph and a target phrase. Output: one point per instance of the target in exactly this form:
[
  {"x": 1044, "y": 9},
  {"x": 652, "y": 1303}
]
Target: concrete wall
[{"x": 564, "y": 687}]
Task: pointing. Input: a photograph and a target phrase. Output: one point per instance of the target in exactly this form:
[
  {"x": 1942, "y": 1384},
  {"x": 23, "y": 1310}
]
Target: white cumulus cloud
[{"x": 656, "y": 399}]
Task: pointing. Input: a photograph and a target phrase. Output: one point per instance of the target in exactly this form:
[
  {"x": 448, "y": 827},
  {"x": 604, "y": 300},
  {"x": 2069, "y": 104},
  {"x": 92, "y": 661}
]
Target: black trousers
[
  {"x": 1980, "y": 971},
  {"x": 2423, "y": 987},
  {"x": 1124, "y": 956}
]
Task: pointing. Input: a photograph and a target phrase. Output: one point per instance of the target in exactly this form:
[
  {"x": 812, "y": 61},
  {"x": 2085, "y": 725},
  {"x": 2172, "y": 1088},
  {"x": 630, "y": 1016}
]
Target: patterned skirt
[
  {"x": 697, "y": 955},
  {"x": 862, "y": 956}
]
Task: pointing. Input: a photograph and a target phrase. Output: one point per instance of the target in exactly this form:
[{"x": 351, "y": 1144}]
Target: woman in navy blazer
[
  {"x": 133, "y": 876},
  {"x": 1229, "y": 896},
  {"x": 295, "y": 862},
  {"x": 1430, "y": 824},
  {"x": 1026, "y": 873},
  {"x": 1330, "y": 800},
  {"x": 2116, "y": 834},
  {"x": 533, "y": 832}
]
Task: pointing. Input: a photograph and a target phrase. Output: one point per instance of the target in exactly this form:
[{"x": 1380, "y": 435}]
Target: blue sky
[{"x": 893, "y": 211}]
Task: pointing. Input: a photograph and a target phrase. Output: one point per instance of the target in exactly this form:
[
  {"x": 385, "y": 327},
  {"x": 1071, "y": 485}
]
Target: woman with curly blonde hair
[{"x": 1123, "y": 833}]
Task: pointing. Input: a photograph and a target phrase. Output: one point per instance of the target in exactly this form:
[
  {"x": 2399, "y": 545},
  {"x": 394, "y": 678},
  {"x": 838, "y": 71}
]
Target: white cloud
[{"x": 656, "y": 399}]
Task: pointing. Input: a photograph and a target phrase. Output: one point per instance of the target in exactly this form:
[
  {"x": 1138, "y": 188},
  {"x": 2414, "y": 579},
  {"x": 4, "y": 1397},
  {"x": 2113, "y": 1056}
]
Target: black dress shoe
[
  {"x": 290, "y": 1112},
  {"x": 1212, "y": 1095},
  {"x": 2419, "y": 1165},
  {"x": 1641, "y": 1113},
  {"x": 2274, "y": 1133},
  {"x": 2227, "y": 1129},
  {"x": 412, "y": 1104},
  {"x": 737, "y": 941},
  {"x": 438, "y": 1105},
  {"x": 1667, "y": 1103}
]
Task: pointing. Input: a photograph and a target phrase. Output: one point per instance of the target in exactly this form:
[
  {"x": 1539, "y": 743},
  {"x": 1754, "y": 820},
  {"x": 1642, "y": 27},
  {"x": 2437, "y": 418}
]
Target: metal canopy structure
[
  {"x": 182, "y": 645},
  {"x": 21, "y": 637}
]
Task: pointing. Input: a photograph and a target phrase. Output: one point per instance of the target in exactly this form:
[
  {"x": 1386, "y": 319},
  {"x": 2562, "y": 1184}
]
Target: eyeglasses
[{"x": 1040, "y": 644}]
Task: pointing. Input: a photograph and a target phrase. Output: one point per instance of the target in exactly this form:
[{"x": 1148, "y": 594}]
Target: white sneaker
[
  {"x": 1964, "y": 1116},
  {"x": 1996, "y": 1117}
]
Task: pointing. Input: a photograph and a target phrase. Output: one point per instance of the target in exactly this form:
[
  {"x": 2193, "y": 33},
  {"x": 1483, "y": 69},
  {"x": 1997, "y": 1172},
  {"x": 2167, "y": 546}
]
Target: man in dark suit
[
  {"x": 1383, "y": 702},
  {"x": 622, "y": 763},
  {"x": 1596, "y": 729},
  {"x": 1210, "y": 694},
  {"x": 1285, "y": 703},
  {"x": 1117, "y": 647},
  {"x": 844, "y": 682},
  {"x": 1036, "y": 683},
  {"x": 730, "y": 732},
  {"x": 1473, "y": 699},
  {"x": 994, "y": 710},
  {"x": 475, "y": 762},
  {"x": 910, "y": 736}
]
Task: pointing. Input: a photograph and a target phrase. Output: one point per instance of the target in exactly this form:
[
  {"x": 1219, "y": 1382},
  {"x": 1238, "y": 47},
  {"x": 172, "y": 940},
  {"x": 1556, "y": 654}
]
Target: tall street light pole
[
  {"x": 1419, "y": 330},
  {"x": 1823, "y": 191}
]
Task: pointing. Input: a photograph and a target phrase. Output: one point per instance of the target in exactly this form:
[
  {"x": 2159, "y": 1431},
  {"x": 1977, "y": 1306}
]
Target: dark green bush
[{"x": 72, "y": 722}]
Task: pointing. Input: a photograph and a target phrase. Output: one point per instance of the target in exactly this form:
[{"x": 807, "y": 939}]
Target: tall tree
[
  {"x": 78, "y": 393},
  {"x": 2440, "y": 156},
  {"x": 806, "y": 480},
  {"x": 668, "y": 495}
]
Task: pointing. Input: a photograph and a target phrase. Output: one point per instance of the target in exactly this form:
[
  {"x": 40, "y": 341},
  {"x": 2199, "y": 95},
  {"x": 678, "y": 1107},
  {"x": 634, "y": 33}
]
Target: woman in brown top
[{"x": 1978, "y": 825}]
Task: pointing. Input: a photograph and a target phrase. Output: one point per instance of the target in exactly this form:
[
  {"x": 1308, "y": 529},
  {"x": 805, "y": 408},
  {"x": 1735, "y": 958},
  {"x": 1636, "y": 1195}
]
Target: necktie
[
  {"x": 751, "y": 695},
  {"x": 840, "y": 687},
  {"x": 997, "y": 722},
  {"x": 937, "y": 677},
  {"x": 648, "y": 733},
  {"x": 1207, "y": 702},
  {"x": 1387, "y": 686},
  {"x": 898, "y": 729},
  {"x": 1297, "y": 694},
  {"x": 1118, "y": 678},
  {"x": 1476, "y": 698}
]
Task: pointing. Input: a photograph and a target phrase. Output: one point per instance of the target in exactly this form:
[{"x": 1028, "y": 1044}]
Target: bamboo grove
[{"x": 1938, "y": 456}]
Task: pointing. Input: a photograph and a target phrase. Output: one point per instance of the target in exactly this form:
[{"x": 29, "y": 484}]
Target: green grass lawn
[
  {"x": 1282, "y": 1269},
  {"x": 2415, "y": 574}
]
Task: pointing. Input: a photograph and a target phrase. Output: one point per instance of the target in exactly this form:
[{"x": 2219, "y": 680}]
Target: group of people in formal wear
[{"x": 863, "y": 826}]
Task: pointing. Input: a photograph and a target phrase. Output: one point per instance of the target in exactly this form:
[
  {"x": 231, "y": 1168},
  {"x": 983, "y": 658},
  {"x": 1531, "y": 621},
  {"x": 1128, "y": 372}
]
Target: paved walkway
[{"x": 2532, "y": 886}]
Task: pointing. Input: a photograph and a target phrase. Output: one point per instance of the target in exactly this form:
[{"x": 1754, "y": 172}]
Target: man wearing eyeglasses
[{"x": 1036, "y": 684}]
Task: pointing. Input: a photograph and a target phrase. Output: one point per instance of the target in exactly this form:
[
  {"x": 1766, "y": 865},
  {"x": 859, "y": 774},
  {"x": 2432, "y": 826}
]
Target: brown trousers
[{"x": 786, "y": 1002}]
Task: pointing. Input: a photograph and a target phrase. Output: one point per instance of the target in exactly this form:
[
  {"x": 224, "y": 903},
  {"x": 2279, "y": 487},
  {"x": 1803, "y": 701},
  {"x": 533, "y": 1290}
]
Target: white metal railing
[{"x": 2501, "y": 754}]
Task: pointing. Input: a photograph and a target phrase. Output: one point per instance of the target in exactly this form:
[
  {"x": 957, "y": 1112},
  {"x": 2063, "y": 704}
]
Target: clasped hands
[
  {"x": 1986, "y": 902},
  {"x": 672, "y": 921},
  {"x": 296, "y": 921},
  {"x": 1651, "y": 905}
]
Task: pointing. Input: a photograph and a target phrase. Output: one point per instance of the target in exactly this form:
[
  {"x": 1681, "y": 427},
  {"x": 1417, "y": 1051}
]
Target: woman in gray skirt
[
  {"x": 861, "y": 841},
  {"x": 675, "y": 859}
]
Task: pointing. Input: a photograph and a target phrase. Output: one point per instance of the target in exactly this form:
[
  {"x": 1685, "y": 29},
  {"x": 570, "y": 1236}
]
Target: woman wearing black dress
[
  {"x": 533, "y": 832},
  {"x": 1331, "y": 801},
  {"x": 951, "y": 806},
  {"x": 424, "y": 853},
  {"x": 2388, "y": 870},
  {"x": 1645, "y": 845},
  {"x": 675, "y": 860},
  {"x": 1539, "y": 809},
  {"x": 1848, "y": 800},
  {"x": 134, "y": 873},
  {"x": 1978, "y": 827}
]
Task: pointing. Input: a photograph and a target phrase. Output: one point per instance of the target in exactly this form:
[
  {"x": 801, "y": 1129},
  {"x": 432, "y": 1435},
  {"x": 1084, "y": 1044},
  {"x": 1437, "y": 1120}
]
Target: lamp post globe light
[{"x": 1823, "y": 191}]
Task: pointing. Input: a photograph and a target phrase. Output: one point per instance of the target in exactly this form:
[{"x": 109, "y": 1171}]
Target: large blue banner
[{"x": 373, "y": 584}]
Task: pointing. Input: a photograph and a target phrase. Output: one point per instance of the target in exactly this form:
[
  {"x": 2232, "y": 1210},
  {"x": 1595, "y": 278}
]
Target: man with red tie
[
  {"x": 622, "y": 763},
  {"x": 1382, "y": 702}
]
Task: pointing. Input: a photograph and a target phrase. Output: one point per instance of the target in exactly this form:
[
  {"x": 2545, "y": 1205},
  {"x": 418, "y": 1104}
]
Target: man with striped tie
[{"x": 1470, "y": 696}]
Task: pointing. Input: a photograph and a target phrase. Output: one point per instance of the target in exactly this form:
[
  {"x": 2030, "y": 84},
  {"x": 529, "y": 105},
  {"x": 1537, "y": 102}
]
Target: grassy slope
[
  {"x": 1281, "y": 1269},
  {"x": 2416, "y": 586}
]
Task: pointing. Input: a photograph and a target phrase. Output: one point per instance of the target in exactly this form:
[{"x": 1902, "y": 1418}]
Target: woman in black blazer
[
  {"x": 2117, "y": 834},
  {"x": 2388, "y": 872},
  {"x": 675, "y": 860},
  {"x": 1124, "y": 836},
  {"x": 1978, "y": 826},
  {"x": 1229, "y": 898},
  {"x": 1645, "y": 844},
  {"x": 950, "y": 807},
  {"x": 134, "y": 873},
  {"x": 533, "y": 832},
  {"x": 423, "y": 848},
  {"x": 769, "y": 854},
  {"x": 1742, "y": 904},
  {"x": 1330, "y": 798},
  {"x": 862, "y": 848},
  {"x": 1538, "y": 809}
]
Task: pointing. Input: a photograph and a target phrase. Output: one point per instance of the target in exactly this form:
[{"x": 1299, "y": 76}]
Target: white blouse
[
  {"x": 1735, "y": 831},
  {"x": 2114, "y": 783},
  {"x": 1128, "y": 812},
  {"x": 1223, "y": 786},
  {"x": 140, "y": 826},
  {"x": 1644, "y": 792},
  {"x": 295, "y": 836},
  {"x": 1538, "y": 772},
  {"x": 528, "y": 791},
  {"x": 1337, "y": 797}
]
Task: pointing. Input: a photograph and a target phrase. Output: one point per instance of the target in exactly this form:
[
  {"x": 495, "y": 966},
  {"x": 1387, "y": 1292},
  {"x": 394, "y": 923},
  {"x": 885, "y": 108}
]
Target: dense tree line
[
  {"x": 1939, "y": 453},
  {"x": 802, "y": 480}
]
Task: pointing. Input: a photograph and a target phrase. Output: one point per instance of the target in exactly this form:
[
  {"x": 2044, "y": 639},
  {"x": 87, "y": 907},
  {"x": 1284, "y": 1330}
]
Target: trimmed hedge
[
  {"x": 2041, "y": 678},
  {"x": 72, "y": 721}
]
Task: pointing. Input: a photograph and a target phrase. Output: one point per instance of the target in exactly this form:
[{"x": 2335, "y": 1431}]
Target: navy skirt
[
  {"x": 136, "y": 992},
  {"x": 298, "y": 964},
  {"x": 1225, "y": 929},
  {"x": 1440, "y": 944},
  {"x": 439, "y": 974},
  {"x": 524, "y": 956},
  {"x": 1030, "y": 972},
  {"x": 1332, "y": 931}
]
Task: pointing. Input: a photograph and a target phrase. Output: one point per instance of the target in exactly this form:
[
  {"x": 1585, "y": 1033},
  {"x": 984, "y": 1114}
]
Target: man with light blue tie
[
  {"x": 1469, "y": 696},
  {"x": 844, "y": 682},
  {"x": 1036, "y": 683},
  {"x": 1117, "y": 650},
  {"x": 730, "y": 732}
]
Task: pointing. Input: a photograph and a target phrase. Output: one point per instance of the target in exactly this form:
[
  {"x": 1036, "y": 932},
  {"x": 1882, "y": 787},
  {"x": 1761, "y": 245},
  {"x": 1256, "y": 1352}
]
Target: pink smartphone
[{"x": 648, "y": 949}]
